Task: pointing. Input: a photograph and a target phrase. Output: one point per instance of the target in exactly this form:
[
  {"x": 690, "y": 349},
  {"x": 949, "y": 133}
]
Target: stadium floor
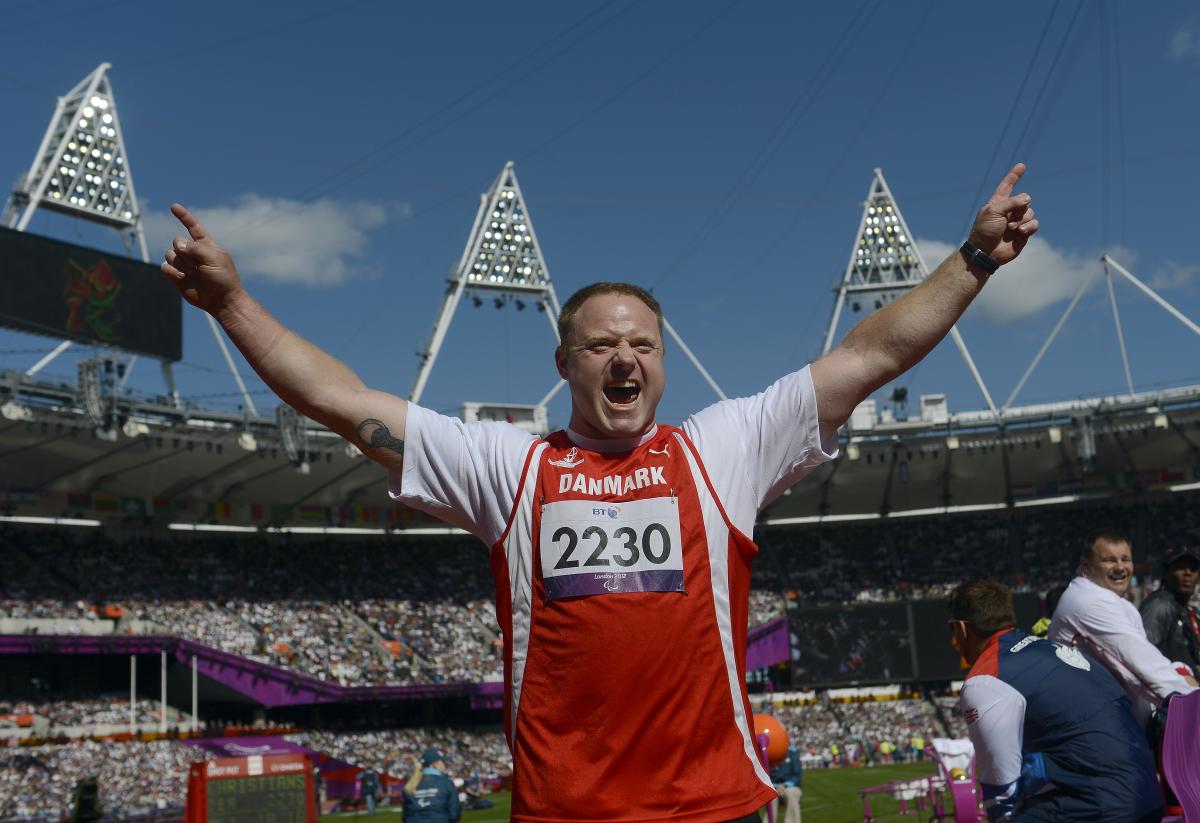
[{"x": 830, "y": 796}]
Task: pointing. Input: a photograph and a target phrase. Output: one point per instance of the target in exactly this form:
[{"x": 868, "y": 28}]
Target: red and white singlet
[{"x": 622, "y": 594}]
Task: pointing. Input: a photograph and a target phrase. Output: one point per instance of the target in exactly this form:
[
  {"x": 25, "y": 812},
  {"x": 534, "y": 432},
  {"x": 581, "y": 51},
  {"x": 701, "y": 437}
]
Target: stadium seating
[{"x": 411, "y": 611}]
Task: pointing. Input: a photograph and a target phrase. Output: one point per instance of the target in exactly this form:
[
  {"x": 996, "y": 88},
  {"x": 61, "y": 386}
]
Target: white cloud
[
  {"x": 1042, "y": 276},
  {"x": 1183, "y": 43},
  {"x": 286, "y": 241},
  {"x": 1173, "y": 275}
]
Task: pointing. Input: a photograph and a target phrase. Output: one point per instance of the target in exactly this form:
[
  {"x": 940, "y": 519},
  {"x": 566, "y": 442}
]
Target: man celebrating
[
  {"x": 1054, "y": 735},
  {"x": 1172, "y": 625},
  {"x": 620, "y": 547},
  {"x": 1095, "y": 615}
]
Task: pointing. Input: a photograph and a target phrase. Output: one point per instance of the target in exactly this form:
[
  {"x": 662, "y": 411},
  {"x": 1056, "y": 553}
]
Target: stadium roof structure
[{"x": 214, "y": 469}]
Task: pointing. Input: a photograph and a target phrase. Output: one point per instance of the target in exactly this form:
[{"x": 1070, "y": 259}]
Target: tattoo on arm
[{"x": 375, "y": 435}]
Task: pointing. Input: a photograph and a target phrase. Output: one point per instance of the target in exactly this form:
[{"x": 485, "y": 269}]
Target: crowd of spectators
[
  {"x": 406, "y": 610},
  {"x": 94, "y": 711},
  {"x": 834, "y": 734},
  {"x": 138, "y": 777},
  {"x": 133, "y": 778},
  {"x": 482, "y": 753}
]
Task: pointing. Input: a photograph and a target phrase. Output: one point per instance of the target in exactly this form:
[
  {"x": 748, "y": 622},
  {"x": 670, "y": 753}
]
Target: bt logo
[{"x": 612, "y": 512}]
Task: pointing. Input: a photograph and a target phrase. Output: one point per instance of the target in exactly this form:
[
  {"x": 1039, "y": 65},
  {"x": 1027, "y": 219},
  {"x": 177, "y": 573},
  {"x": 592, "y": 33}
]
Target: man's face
[
  {"x": 1110, "y": 565},
  {"x": 613, "y": 362},
  {"x": 1182, "y": 576}
]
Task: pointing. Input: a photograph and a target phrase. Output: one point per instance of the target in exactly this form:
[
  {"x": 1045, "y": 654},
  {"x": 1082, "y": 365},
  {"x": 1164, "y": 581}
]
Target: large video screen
[
  {"x": 71, "y": 292},
  {"x": 864, "y": 644}
]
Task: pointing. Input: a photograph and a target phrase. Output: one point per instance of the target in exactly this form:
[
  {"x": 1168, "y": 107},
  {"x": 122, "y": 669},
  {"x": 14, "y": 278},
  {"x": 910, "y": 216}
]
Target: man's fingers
[
  {"x": 1010, "y": 181},
  {"x": 171, "y": 271},
  {"x": 189, "y": 221},
  {"x": 1020, "y": 216},
  {"x": 1011, "y": 205},
  {"x": 1028, "y": 229}
]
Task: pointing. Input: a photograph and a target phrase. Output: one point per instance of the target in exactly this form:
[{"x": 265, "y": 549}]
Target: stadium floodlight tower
[
  {"x": 502, "y": 259},
  {"x": 81, "y": 169},
  {"x": 885, "y": 263}
]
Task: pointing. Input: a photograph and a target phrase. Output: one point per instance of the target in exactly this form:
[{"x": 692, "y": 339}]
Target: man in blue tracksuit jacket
[
  {"x": 1055, "y": 737},
  {"x": 430, "y": 796}
]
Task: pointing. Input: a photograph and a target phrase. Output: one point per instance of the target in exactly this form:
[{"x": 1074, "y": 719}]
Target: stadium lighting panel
[
  {"x": 884, "y": 264},
  {"x": 81, "y": 167},
  {"x": 502, "y": 256}
]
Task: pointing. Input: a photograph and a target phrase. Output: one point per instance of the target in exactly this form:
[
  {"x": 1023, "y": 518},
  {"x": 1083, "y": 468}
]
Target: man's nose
[{"x": 623, "y": 354}]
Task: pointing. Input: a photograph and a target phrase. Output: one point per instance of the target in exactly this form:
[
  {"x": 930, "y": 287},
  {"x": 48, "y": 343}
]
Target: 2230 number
[{"x": 655, "y": 546}]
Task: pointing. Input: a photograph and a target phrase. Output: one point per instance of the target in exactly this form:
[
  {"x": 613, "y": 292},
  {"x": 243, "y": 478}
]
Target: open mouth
[{"x": 622, "y": 394}]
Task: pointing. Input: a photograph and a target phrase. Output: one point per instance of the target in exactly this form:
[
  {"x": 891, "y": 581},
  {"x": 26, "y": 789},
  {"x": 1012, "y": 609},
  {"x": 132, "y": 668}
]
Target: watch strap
[{"x": 979, "y": 258}]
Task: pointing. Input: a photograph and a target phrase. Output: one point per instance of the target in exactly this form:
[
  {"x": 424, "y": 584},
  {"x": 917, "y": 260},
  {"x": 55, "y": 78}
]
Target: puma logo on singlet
[
  {"x": 570, "y": 461},
  {"x": 665, "y": 451}
]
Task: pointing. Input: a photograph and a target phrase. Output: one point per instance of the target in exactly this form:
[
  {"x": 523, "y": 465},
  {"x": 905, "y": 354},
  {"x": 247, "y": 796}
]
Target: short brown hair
[
  {"x": 1108, "y": 535},
  {"x": 566, "y": 317},
  {"x": 985, "y": 605}
]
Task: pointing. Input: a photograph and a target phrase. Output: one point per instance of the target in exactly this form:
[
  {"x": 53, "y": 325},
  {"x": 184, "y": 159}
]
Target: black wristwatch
[{"x": 979, "y": 258}]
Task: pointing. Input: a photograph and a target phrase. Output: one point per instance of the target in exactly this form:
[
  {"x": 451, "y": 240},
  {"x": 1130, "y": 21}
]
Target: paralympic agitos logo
[{"x": 91, "y": 297}]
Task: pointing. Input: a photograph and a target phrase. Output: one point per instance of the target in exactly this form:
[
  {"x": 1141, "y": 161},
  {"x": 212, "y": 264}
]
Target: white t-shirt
[
  {"x": 1109, "y": 628},
  {"x": 754, "y": 448}
]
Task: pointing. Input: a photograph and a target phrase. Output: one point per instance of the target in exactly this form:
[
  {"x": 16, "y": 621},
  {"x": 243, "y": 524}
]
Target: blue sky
[{"x": 716, "y": 151}]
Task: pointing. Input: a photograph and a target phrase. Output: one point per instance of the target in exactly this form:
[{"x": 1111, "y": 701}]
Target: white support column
[
  {"x": 48, "y": 359},
  {"x": 128, "y": 371},
  {"x": 1046, "y": 346},
  {"x": 429, "y": 357},
  {"x": 169, "y": 378},
  {"x": 133, "y": 694},
  {"x": 1112, "y": 300},
  {"x": 833, "y": 321},
  {"x": 695, "y": 362},
  {"x": 220, "y": 338},
  {"x": 195, "y": 698},
  {"x": 554, "y": 391},
  {"x": 966, "y": 355},
  {"x": 162, "y": 708},
  {"x": 1153, "y": 295}
]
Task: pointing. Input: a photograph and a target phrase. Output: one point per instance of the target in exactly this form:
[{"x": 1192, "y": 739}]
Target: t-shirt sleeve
[
  {"x": 1121, "y": 634},
  {"x": 995, "y": 714},
  {"x": 768, "y": 441},
  {"x": 464, "y": 473}
]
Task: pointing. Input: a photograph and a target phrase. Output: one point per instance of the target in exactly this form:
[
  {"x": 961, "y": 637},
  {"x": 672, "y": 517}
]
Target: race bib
[{"x": 590, "y": 547}]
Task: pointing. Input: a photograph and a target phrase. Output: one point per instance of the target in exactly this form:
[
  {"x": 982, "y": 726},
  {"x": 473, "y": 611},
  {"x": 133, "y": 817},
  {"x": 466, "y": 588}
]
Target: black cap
[
  {"x": 431, "y": 756},
  {"x": 1181, "y": 553}
]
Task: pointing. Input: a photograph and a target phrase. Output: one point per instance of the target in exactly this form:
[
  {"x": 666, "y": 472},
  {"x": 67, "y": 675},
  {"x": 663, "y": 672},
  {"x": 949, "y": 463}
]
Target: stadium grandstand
[{"x": 180, "y": 583}]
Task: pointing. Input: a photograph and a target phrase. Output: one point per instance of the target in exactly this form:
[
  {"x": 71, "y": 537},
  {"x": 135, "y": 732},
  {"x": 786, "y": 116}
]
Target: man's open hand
[
  {"x": 1006, "y": 221},
  {"x": 202, "y": 271}
]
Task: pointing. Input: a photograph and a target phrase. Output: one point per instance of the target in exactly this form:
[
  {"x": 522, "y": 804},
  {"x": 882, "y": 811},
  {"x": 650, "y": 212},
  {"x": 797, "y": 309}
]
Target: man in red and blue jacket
[{"x": 1055, "y": 737}]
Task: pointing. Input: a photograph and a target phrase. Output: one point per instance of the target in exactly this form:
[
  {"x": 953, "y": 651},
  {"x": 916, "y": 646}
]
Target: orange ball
[{"x": 777, "y": 737}]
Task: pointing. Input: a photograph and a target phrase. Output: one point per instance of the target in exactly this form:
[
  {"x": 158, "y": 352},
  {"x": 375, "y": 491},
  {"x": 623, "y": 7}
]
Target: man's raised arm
[
  {"x": 306, "y": 378},
  {"x": 894, "y": 339}
]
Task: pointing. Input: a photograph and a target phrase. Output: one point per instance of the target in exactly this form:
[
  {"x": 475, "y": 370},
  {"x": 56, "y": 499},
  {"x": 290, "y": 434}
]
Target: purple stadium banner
[
  {"x": 267, "y": 685},
  {"x": 768, "y": 644}
]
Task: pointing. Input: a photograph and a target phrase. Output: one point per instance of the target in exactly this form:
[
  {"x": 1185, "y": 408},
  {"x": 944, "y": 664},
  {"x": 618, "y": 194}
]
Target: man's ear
[{"x": 560, "y": 361}]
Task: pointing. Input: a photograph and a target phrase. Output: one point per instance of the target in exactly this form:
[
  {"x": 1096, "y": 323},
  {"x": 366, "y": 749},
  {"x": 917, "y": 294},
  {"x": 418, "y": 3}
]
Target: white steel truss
[
  {"x": 81, "y": 169},
  {"x": 503, "y": 257},
  {"x": 1108, "y": 266},
  {"x": 884, "y": 264}
]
